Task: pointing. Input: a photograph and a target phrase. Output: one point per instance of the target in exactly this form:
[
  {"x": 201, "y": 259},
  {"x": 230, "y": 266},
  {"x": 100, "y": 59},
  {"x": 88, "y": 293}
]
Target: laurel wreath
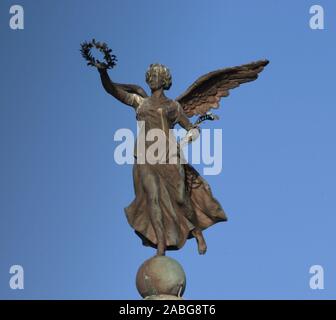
[{"x": 110, "y": 59}]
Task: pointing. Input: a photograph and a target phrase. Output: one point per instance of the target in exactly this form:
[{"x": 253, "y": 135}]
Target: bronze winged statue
[{"x": 172, "y": 201}]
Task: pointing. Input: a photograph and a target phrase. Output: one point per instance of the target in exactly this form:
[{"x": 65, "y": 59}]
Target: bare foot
[
  {"x": 202, "y": 247},
  {"x": 201, "y": 244}
]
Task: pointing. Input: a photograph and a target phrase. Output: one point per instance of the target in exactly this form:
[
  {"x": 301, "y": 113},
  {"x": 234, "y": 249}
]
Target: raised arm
[{"x": 131, "y": 99}]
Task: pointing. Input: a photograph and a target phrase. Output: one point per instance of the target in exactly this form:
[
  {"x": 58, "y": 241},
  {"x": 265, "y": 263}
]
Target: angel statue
[{"x": 173, "y": 202}]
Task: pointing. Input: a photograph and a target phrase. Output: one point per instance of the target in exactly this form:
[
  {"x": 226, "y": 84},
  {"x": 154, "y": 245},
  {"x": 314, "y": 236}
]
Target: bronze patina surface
[{"x": 172, "y": 201}]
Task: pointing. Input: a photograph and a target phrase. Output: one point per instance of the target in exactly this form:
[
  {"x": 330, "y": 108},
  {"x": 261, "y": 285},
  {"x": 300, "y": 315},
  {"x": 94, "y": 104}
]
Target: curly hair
[{"x": 163, "y": 71}]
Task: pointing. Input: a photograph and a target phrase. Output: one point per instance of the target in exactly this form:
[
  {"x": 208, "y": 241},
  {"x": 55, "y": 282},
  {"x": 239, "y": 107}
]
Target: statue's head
[{"x": 158, "y": 76}]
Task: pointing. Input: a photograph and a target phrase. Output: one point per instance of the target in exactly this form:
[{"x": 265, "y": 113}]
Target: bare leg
[{"x": 152, "y": 190}]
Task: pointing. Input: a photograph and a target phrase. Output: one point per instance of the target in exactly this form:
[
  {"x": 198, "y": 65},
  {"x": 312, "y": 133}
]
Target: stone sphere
[{"x": 160, "y": 275}]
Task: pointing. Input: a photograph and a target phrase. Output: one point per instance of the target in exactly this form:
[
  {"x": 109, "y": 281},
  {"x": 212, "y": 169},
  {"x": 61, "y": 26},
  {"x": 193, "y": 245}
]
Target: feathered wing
[{"x": 206, "y": 92}]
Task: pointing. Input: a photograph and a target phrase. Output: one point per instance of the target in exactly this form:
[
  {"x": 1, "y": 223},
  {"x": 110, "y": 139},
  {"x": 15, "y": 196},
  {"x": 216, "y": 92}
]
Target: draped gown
[{"x": 184, "y": 198}]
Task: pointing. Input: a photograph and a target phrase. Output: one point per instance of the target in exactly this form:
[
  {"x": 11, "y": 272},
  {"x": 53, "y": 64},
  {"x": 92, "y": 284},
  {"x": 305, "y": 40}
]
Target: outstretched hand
[{"x": 101, "y": 66}]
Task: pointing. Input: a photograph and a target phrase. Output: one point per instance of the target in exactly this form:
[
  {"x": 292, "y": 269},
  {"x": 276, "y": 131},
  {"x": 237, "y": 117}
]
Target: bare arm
[
  {"x": 182, "y": 119},
  {"x": 123, "y": 96},
  {"x": 184, "y": 122}
]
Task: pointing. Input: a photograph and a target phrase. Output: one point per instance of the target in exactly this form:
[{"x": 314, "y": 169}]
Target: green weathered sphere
[{"x": 160, "y": 275}]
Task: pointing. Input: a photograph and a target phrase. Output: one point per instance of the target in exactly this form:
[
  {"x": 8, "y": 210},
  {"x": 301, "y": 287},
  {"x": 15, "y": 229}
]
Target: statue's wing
[
  {"x": 206, "y": 92},
  {"x": 132, "y": 88}
]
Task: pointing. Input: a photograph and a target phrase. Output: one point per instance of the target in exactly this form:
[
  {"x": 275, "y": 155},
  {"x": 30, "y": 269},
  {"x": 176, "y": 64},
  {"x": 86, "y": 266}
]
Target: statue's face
[{"x": 155, "y": 80}]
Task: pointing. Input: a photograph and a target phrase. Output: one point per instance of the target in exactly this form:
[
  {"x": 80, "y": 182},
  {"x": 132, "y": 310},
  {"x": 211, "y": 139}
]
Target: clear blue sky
[{"x": 62, "y": 194}]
